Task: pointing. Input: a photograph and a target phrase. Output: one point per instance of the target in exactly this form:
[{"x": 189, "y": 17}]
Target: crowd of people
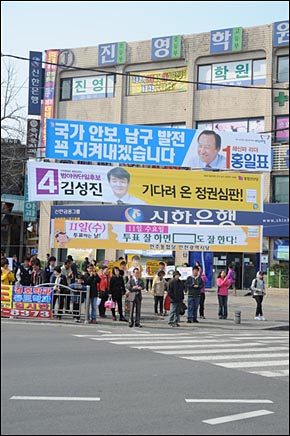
[{"x": 107, "y": 289}]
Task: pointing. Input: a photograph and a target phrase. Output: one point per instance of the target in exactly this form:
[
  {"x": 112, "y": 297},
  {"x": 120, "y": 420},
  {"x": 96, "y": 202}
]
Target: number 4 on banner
[{"x": 46, "y": 181}]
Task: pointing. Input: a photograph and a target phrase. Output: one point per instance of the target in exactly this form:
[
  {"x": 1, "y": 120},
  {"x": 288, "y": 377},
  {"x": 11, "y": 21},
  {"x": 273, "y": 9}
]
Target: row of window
[
  {"x": 248, "y": 72},
  {"x": 252, "y": 125}
]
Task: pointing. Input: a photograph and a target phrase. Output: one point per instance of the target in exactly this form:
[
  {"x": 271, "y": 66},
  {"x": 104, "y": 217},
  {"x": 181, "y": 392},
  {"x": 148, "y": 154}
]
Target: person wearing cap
[
  {"x": 176, "y": 294},
  {"x": 258, "y": 289},
  {"x": 158, "y": 288}
]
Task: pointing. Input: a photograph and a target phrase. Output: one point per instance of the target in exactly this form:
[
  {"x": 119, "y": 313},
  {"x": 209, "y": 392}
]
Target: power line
[{"x": 130, "y": 74}]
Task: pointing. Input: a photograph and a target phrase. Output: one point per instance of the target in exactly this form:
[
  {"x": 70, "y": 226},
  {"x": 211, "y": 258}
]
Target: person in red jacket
[
  {"x": 104, "y": 286},
  {"x": 223, "y": 283}
]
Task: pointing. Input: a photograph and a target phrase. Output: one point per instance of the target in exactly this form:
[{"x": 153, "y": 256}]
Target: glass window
[
  {"x": 65, "y": 89},
  {"x": 281, "y": 189},
  {"x": 204, "y": 75},
  {"x": 283, "y": 69},
  {"x": 255, "y": 125},
  {"x": 244, "y": 72},
  {"x": 259, "y": 72},
  {"x": 282, "y": 129}
]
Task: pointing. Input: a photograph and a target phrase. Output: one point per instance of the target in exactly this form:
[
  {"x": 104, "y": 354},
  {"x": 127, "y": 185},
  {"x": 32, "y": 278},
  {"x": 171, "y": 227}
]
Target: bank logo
[{"x": 134, "y": 215}]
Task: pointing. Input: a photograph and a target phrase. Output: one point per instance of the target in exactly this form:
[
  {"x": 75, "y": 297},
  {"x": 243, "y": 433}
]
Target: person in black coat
[
  {"x": 176, "y": 294},
  {"x": 116, "y": 291}
]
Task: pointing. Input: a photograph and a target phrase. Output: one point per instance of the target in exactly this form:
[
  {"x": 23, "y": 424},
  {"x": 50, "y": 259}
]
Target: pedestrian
[
  {"x": 134, "y": 289},
  {"x": 193, "y": 285},
  {"x": 7, "y": 276},
  {"x": 103, "y": 287},
  {"x": 78, "y": 296},
  {"x": 93, "y": 280},
  {"x": 58, "y": 290},
  {"x": 49, "y": 270},
  {"x": 223, "y": 284},
  {"x": 232, "y": 277},
  {"x": 258, "y": 289},
  {"x": 158, "y": 289},
  {"x": 23, "y": 275},
  {"x": 37, "y": 276},
  {"x": 116, "y": 291},
  {"x": 202, "y": 294},
  {"x": 176, "y": 294}
]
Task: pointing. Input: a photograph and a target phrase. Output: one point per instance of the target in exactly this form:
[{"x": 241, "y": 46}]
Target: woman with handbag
[{"x": 116, "y": 291}]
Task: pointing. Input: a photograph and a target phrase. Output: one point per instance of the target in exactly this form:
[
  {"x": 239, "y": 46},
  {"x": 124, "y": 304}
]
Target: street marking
[
  {"x": 56, "y": 398},
  {"x": 211, "y": 343},
  {"x": 276, "y": 373},
  {"x": 237, "y": 356},
  {"x": 223, "y": 350},
  {"x": 104, "y": 331},
  {"x": 190, "y": 400},
  {"x": 254, "y": 364},
  {"x": 237, "y": 417},
  {"x": 133, "y": 335}
]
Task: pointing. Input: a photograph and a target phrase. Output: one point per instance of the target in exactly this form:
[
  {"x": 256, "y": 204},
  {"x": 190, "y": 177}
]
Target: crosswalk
[{"x": 263, "y": 354}]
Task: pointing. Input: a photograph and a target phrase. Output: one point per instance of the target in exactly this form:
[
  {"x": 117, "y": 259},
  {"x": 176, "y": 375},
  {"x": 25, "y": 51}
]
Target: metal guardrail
[
  {"x": 275, "y": 279},
  {"x": 87, "y": 299}
]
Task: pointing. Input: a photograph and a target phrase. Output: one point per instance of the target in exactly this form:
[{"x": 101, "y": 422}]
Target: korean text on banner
[
  {"x": 144, "y": 236},
  {"x": 118, "y": 185},
  {"x": 162, "y": 146}
]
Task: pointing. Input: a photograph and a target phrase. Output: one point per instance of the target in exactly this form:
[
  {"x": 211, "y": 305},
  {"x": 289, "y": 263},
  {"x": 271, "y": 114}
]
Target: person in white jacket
[{"x": 258, "y": 290}]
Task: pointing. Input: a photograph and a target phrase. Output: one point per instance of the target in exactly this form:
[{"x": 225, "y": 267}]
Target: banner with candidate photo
[
  {"x": 158, "y": 146},
  {"x": 144, "y": 186}
]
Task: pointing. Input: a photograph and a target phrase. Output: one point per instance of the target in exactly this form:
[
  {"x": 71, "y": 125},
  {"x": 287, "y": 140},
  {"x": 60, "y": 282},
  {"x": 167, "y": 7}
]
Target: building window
[
  {"x": 65, "y": 89},
  {"x": 282, "y": 129},
  {"x": 83, "y": 88},
  {"x": 248, "y": 72},
  {"x": 252, "y": 125},
  {"x": 280, "y": 189},
  {"x": 283, "y": 69}
]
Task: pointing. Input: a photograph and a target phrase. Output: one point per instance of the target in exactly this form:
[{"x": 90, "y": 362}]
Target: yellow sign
[
  {"x": 152, "y": 266},
  {"x": 148, "y": 236},
  {"x": 198, "y": 189},
  {"x": 148, "y": 82},
  {"x": 6, "y": 297}
]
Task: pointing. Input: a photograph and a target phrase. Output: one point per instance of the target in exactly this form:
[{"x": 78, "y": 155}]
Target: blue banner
[
  {"x": 161, "y": 146},
  {"x": 34, "y": 83},
  {"x": 275, "y": 219}
]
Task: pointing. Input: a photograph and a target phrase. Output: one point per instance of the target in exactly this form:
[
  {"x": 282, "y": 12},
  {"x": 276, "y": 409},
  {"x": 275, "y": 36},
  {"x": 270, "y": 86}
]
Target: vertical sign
[
  {"x": 281, "y": 33},
  {"x": 34, "y": 83},
  {"x": 49, "y": 92},
  {"x": 166, "y": 47},
  {"x": 33, "y": 128},
  {"x": 226, "y": 40},
  {"x": 113, "y": 53},
  {"x": 29, "y": 207}
]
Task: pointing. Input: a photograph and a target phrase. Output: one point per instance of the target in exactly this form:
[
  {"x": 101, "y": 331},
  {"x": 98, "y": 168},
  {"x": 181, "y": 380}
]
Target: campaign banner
[
  {"x": 151, "y": 82},
  {"x": 51, "y": 59},
  {"x": 274, "y": 219},
  {"x": 141, "y": 186},
  {"x": 26, "y": 301},
  {"x": 162, "y": 146},
  {"x": 147, "y": 236}
]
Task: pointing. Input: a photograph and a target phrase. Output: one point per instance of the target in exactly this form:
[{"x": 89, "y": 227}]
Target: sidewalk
[{"x": 275, "y": 307}]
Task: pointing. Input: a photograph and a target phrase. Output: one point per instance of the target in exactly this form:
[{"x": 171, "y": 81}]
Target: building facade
[{"x": 232, "y": 79}]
